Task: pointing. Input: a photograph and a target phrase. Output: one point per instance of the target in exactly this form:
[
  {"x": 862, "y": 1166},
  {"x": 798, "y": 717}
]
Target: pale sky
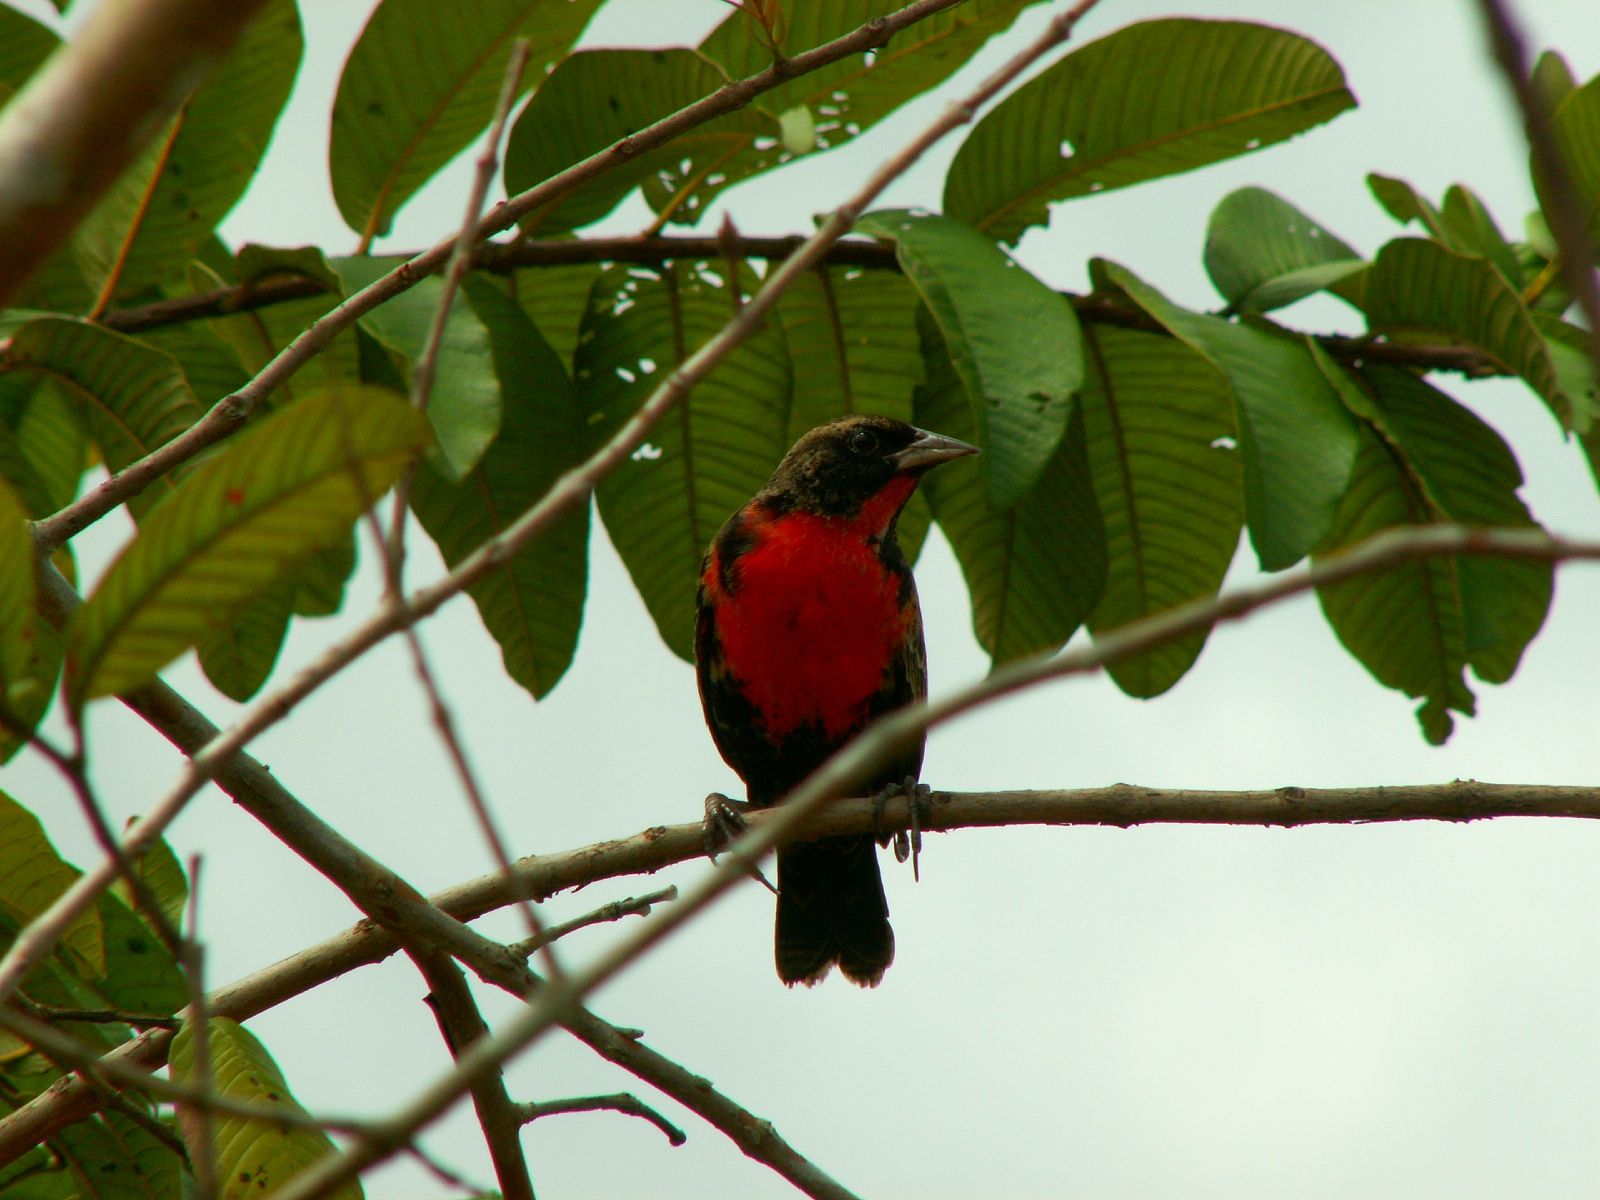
[{"x": 1378, "y": 1011}]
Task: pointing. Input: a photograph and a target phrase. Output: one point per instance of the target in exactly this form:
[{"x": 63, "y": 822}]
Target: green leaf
[
  {"x": 141, "y": 975},
  {"x": 854, "y": 348},
  {"x": 133, "y": 396},
  {"x": 1572, "y": 356},
  {"x": 1419, "y": 287},
  {"x": 33, "y": 875},
  {"x": 421, "y": 84},
  {"x": 258, "y": 335},
  {"x": 320, "y": 582},
  {"x": 555, "y": 299},
  {"x": 1418, "y": 626},
  {"x": 1575, "y": 125},
  {"x": 259, "y": 1158},
  {"x": 289, "y": 486},
  {"x": 464, "y": 404},
  {"x": 162, "y": 873},
  {"x": 1263, "y": 253},
  {"x": 1167, "y": 482},
  {"x": 1015, "y": 344},
  {"x": 1297, "y": 440},
  {"x": 1153, "y": 99},
  {"x": 1472, "y": 230},
  {"x": 24, "y": 44},
  {"x": 162, "y": 209},
  {"x": 532, "y": 605},
  {"x": 30, "y": 654},
  {"x": 1035, "y": 570},
  {"x": 597, "y": 97},
  {"x": 208, "y": 362},
  {"x": 239, "y": 656},
  {"x": 1553, "y": 79},
  {"x": 110, "y": 1157},
  {"x": 708, "y": 455},
  {"x": 1405, "y": 204}
]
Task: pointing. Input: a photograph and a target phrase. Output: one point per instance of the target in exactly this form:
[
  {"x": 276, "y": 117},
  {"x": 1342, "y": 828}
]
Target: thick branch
[
  {"x": 91, "y": 109},
  {"x": 1099, "y": 308}
]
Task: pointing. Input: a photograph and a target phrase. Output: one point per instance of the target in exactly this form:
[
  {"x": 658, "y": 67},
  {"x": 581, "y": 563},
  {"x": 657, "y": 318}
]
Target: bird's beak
[{"x": 929, "y": 450}]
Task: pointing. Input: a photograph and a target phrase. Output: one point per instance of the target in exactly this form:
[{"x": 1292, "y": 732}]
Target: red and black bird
[{"x": 808, "y": 628}]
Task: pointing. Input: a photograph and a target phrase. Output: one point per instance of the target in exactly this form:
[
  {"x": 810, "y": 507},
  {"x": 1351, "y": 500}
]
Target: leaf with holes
[
  {"x": 1166, "y": 476},
  {"x": 133, "y": 396},
  {"x": 262, "y": 1160},
  {"x": 532, "y": 605},
  {"x": 154, "y": 220},
  {"x": 277, "y": 493},
  {"x": 853, "y": 345},
  {"x": 1263, "y": 253},
  {"x": 598, "y": 97},
  {"x": 1154, "y": 99},
  {"x": 707, "y": 456},
  {"x": 1036, "y": 569},
  {"x": 1417, "y": 287},
  {"x": 1015, "y": 344},
  {"x": 421, "y": 84},
  {"x": 555, "y": 299},
  {"x": 1417, "y": 627},
  {"x": 464, "y": 403},
  {"x": 1297, "y": 440}
]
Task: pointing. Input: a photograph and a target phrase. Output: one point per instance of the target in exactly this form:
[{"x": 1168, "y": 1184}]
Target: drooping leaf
[
  {"x": 155, "y": 219},
  {"x": 464, "y": 403},
  {"x": 707, "y": 456},
  {"x": 1035, "y": 570},
  {"x": 1153, "y": 99},
  {"x": 252, "y": 1159},
  {"x": 1418, "y": 626},
  {"x": 853, "y": 344},
  {"x": 238, "y": 656},
  {"x": 278, "y": 492},
  {"x": 1015, "y": 344},
  {"x": 1575, "y": 125},
  {"x": 32, "y": 875},
  {"x": 1165, "y": 469},
  {"x": 533, "y": 604},
  {"x": 133, "y": 397},
  {"x": 161, "y": 872},
  {"x": 1416, "y": 287},
  {"x": 1263, "y": 253},
  {"x": 1296, "y": 438},
  {"x": 597, "y": 97},
  {"x": 421, "y": 83}
]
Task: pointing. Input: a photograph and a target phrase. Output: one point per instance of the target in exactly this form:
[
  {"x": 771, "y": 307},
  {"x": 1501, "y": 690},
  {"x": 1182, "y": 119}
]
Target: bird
[{"x": 807, "y": 628}]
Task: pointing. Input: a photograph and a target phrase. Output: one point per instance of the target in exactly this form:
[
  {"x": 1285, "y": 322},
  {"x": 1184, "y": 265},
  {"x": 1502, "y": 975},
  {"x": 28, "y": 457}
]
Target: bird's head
[{"x": 846, "y": 466}]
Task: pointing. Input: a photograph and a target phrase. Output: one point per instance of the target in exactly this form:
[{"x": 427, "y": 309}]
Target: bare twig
[
  {"x": 462, "y": 1025},
  {"x": 1563, "y": 206},
  {"x": 426, "y": 366},
  {"x": 622, "y": 1102},
  {"x": 231, "y": 412},
  {"x": 633, "y": 906}
]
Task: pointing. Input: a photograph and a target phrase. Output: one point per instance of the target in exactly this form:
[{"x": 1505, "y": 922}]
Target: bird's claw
[
  {"x": 724, "y": 821},
  {"x": 907, "y": 842}
]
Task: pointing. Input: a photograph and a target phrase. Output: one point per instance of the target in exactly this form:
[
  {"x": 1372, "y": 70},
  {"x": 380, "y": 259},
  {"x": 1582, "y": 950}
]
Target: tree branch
[
  {"x": 622, "y": 1102},
  {"x": 89, "y": 111},
  {"x": 229, "y": 413}
]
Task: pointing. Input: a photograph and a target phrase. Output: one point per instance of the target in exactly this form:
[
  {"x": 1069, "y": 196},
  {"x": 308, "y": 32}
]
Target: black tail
[{"x": 831, "y": 909}]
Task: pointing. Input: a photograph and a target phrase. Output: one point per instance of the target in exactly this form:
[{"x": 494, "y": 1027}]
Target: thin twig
[
  {"x": 633, "y": 906},
  {"x": 229, "y": 413},
  {"x": 57, "y": 1015},
  {"x": 426, "y": 366},
  {"x": 1563, "y": 206},
  {"x": 203, "y": 1154},
  {"x": 622, "y": 1102}
]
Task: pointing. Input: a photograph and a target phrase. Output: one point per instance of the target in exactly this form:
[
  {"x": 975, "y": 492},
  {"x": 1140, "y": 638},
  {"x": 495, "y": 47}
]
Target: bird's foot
[
  {"x": 907, "y": 842},
  {"x": 724, "y": 822}
]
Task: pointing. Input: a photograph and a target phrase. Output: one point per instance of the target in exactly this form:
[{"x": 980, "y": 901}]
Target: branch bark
[{"x": 92, "y": 108}]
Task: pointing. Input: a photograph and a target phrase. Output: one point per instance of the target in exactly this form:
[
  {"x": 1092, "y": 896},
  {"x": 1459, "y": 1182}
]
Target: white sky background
[{"x": 1380, "y": 1011}]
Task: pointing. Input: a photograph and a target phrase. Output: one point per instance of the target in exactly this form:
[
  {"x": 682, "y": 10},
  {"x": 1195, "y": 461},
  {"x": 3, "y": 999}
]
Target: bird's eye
[{"x": 863, "y": 441}]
